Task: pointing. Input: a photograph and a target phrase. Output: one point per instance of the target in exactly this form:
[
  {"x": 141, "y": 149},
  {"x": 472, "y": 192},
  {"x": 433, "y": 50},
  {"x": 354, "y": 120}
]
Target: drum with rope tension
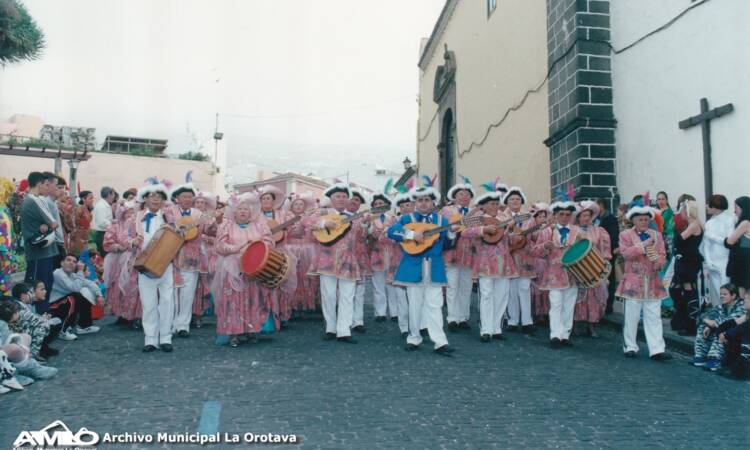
[
  {"x": 262, "y": 263},
  {"x": 586, "y": 264}
]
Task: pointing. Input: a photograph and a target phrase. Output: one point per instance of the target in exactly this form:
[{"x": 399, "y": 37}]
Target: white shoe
[
  {"x": 54, "y": 321},
  {"x": 13, "y": 384},
  {"x": 3, "y": 389},
  {"x": 67, "y": 336},
  {"x": 87, "y": 330}
]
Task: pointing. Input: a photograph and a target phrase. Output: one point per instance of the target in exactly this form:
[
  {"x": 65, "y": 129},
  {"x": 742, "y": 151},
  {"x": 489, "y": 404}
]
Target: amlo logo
[{"x": 56, "y": 434}]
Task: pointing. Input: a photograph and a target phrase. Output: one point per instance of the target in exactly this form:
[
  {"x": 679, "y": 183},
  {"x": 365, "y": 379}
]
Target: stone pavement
[{"x": 517, "y": 393}]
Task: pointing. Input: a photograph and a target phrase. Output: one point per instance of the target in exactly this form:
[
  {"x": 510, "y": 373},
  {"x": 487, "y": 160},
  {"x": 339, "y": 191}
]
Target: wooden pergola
[{"x": 58, "y": 154}]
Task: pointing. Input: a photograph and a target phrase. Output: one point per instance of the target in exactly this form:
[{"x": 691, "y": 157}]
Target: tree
[
  {"x": 20, "y": 37},
  {"x": 194, "y": 156}
]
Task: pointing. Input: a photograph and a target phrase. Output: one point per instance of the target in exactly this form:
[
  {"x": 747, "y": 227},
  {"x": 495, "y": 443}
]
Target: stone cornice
[{"x": 437, "y": 32}]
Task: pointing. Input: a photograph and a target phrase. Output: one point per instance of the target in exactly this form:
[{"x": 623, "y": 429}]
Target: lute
[
  {"x": 431, "y": 233},
  {"x": 343, "y": 225}
]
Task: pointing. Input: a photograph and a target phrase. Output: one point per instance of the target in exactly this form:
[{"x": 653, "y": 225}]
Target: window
[{"x": 491, "y": 6}]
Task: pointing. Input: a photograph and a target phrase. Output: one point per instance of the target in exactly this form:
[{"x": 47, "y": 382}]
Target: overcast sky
[{"x": 297, "y": 83}]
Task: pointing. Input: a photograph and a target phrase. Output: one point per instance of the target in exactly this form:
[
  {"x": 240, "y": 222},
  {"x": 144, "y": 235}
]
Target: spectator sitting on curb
[
  {"x": 16, "y": 346},
  {"x": 708, "y": 349},
  {"x": 72, "y": 297}
]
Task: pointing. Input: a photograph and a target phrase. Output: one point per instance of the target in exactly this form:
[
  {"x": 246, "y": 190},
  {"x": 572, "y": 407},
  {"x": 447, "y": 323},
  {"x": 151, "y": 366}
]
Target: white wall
[{"x": 660, "y": 82}]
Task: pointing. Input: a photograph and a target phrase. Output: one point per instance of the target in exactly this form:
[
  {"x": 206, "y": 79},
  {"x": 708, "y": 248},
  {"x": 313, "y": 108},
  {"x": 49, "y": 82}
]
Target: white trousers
[
  {"x": 402, "y": 308},
  {"x": 519, "y": 302},
  {"x": 184, "y": 301},
  {"x": 425, "y": 310},
  {"x": 651, "y": 325},
  {"x": 562, "y": 304},
  {"x": 493, "y": 301},
  {"x": 337, "y": 291},
  {"x": 715, "y": 280},
  {"x": 458, "y": 293},
  {"x": 383, "y": 299},
  {"x": 157, "y": 300},
  {"x": 358, "y": 318}
]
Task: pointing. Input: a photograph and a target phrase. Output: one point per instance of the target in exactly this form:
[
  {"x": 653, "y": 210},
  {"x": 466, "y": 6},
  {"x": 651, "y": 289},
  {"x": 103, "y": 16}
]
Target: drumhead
[
  {"x": 255, "y": 257},
  {"x": 576, "y": 252}
]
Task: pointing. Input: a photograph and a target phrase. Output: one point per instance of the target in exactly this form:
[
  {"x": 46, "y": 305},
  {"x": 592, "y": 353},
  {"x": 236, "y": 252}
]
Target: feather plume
[
  {"x": 466, "y": 179},
  {"x": 489, "y": 186},
  {"x": 426, "y": 181},
  {"x": 409, "y": 183},
  {"x": 167, "y": 183},
  {"x": 189, "y": 176},
  {"x": 647, "y": 198},
  {"x": 388, "y": 186},
  {"x": 336, "y": 180},
  {"x": 571, "y": 191},
  {"x": 561, "y": 196},
  {"x": 404, "y": 188},
  {"x": 432, "y": 182},
  {"x": 152, "y": 180}
]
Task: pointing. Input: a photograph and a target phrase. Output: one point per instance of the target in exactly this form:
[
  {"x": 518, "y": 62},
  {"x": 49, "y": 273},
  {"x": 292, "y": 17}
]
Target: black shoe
[
  {"x": 512, "y": 328},
  {"x": 424, "y": 332},
  {"x": 166, "y": 348},
  {"x": 380, "y": 319},
  {"x": 630, "y": 354},
  {"x": 136, "y": 324},
  {"x": 452, "y": 327},
  {"x": 555, "y": 343},
  {"x": 394, "y": 319},
  {"x": 359, "y": 329},
  {"x": 411, "y": 347},
  {"x": 149, "y": 348},
  {"x": 183, "y": 333},
  {"x": 445, "y": 350},
  {"x": 566, "y": 343},
  {"x": 527, "y": 329},
  {"x": 661, "y": 357},
  {"x": 347, "y": 339},
  {"x": 685, "y": 333},
  {"x": 485, "y": 338},
  {"x": 405, "y": 334},
  {"x": 122, "y": 321},
  {"x": 329, "y": 336},
  {"x": 498, "y": 337},
  {"x": 464, "y": 325}
]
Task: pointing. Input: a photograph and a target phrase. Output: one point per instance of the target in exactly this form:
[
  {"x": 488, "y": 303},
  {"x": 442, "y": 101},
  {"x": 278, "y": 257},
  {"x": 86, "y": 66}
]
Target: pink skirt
[{"x": 591, "y": 304}]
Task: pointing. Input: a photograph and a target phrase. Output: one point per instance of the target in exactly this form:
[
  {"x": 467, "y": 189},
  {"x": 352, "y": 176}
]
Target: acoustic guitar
[
  {"x": 523, "y": 237},
  {"x": 278, "y": 230},
  {"x": 343, "y": 225},
  {"x": 431, "y": 232},
  {"x": 494, "y": 238}
]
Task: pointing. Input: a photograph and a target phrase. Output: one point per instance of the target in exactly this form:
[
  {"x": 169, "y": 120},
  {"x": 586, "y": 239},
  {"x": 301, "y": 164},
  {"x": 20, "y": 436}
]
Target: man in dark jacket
[
  {"x": 36, "y": 219},
  {"x": 609, "y": 222}
]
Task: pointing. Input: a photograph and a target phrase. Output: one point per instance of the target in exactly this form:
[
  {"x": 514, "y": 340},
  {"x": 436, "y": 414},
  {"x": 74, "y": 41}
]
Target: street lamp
[
  {"x": 407, "y": 163},
  {"x": 217, "y": 137},
  {"x": 73, "y": 163}
]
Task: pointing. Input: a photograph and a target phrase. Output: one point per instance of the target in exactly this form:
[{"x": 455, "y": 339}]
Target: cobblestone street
[{"x": 506, "y": 394}]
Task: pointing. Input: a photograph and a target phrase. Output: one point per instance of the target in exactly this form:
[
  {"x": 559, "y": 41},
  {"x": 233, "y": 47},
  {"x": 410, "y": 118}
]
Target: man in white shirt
[
  {"x": 102, "y": 217},
  {"x": 715, "y": 255}
]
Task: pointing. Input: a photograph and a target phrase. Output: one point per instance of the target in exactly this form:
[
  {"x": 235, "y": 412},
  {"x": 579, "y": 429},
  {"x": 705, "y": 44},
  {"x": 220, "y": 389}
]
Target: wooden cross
[{"x": 704, "y": 120}]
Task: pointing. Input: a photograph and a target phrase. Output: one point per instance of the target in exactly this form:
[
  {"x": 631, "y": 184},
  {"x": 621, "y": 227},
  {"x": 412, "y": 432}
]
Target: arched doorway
[{"x": 447, "y": 152}]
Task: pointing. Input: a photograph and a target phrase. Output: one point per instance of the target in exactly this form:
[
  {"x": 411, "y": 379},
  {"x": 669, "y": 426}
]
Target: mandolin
[
  {"x": 494, "y": 238},
  {"x": 516, "y": 245},
  {"x": 188, "y": 226},
  {"x": 343, "y": 225},
  {"x": 431, "y": 232},
  {"x": 278, "y": 230}
]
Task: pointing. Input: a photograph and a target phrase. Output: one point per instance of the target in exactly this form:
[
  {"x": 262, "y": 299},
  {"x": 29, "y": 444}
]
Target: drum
[
  {"x": 159, "y": 253},
  {"x": 585, "y": 264},
  {"x": 264, "y": 264}
]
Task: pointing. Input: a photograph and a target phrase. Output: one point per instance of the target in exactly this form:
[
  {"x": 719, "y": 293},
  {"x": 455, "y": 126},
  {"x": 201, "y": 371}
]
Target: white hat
[
  {"x": 514, "y": 190},
  {"x": 354, "y": 192},
  {"x": 179, "y": 189},
  {"x": 460, "y": 187},
  {"x": 488, "y": 196},
  {"x": 338, "y": 187},
  {"x": 276, "y": 193},
  {"x": 402, "y": 197},
  {"x": 563, "y": 205},
  {"x": 380, "y": 196},
  {"x": 426, "y": 191},
  {"x": 501, "y": 187},
  {"x": 640, "y": 211},
  {"x": 538, "y": 207},
  {"x": 151, "y": 188}
]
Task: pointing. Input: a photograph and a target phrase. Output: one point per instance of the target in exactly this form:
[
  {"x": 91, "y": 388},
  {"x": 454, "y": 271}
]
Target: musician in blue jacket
[{"x": 423, "y": 275}]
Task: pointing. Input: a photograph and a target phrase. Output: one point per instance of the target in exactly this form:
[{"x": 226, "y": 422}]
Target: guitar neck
[{"x": 285, "y": 225}]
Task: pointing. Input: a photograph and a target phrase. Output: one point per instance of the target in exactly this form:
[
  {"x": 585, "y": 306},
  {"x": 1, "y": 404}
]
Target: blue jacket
[{"x": 410, "y": 269}]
